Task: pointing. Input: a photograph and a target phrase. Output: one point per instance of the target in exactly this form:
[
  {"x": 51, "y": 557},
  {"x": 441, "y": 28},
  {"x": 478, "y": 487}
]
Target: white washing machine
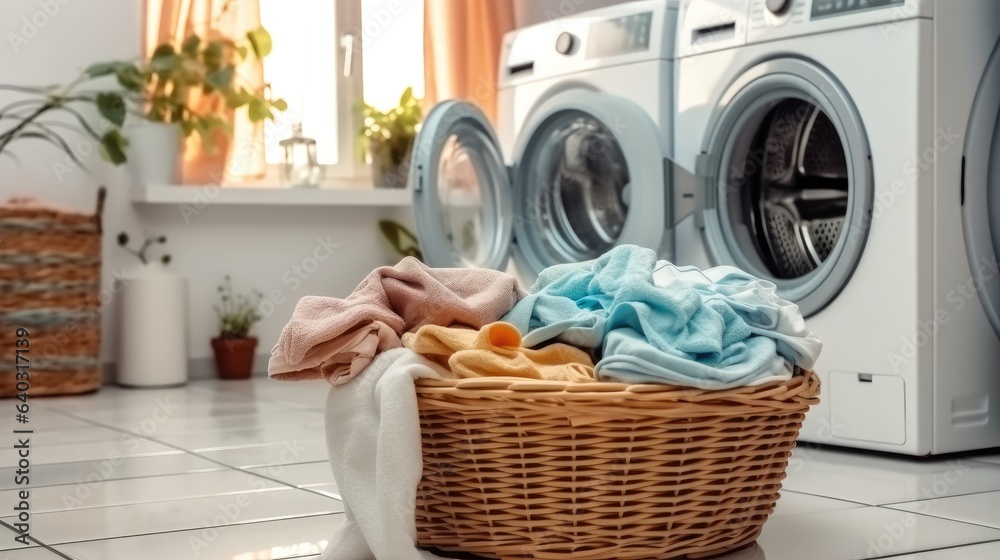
[
  {"x": 581, "y": 162},
  {"x": 848, "y": 151}
]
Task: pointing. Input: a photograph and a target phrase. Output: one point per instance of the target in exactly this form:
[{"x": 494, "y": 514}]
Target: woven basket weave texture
[
  {"x": 518, "y": 469},
  {"x": 50, "y": 275}
]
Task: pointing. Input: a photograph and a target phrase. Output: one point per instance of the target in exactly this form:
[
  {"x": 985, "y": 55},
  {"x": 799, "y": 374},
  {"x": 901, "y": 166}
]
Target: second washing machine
[{"x": 844, "y": 152}]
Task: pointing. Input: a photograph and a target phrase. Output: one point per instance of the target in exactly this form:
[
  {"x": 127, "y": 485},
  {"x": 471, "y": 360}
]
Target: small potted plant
[
  {"x": 234, "y": 347},
  {"x": 152, "y": 349},
  {"x": 386, "y": 139}
]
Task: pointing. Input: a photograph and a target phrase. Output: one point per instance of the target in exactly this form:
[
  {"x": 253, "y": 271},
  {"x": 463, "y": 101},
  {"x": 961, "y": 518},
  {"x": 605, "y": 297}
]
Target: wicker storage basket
[
  {"x": 533, "y": 469},
  {"x": 50, "y": 275}
]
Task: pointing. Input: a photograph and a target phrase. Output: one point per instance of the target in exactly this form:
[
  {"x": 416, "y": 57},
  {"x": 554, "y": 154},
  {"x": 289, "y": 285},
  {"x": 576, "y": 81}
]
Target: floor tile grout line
[
  {"x": 936, "y": 549},
  {"x": 178, "y": 448},
  {"x": 240, "y": 524},
  {"x": 862, "y": 504},
  {"x": 196, "y": 454},
  {"x": 157, "y": 501},
  {"x": 941, "y": 518},
  {"x": 888, "y": 504},
  {"x": 245, "y": 469},
  {"x": 962, "y": 495},
  {"x": 73, "y": 483},
  {"x": 38, "y": 542}
]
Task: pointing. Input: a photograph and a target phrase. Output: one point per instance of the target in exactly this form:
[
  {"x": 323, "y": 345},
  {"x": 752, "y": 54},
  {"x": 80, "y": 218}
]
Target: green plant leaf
[
  {"x": 260, "y": 41},
  {"x": 129, "y": 77},
  {"x": 237, "y": 97},
  {"x": 407, "y": 97},
  {"x": 101, "y": 69},
  {"x": 212, "y": 55},
  {"x": 162, "y": 60},
  {"x": 52, "y": 138},
  {"x": 221, "y": 78},
  {"x": 258, "y": 110},
  {"x": 280, "y": 104},
  {"x": 113, "y": 146},
  {"x": 112, "y": 107},
  {"x": 190, "y": 45},
  {"x": 400, "y": 238}
]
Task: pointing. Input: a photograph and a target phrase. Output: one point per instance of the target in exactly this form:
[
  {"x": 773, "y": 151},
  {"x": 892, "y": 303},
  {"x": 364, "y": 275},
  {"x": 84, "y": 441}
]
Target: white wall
[{"x": 258, "y": 246}]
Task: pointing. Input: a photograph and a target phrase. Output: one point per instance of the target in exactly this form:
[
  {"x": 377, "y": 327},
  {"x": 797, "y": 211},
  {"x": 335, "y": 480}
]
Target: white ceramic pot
[
  {"x": 152, "y": 350},
  {"x": 154, "y": 153}
]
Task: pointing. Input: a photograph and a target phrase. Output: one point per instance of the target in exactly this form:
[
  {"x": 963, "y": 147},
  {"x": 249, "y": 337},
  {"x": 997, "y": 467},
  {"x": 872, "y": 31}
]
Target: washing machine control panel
[
  {"x": 824, "y": 8},
  {"x": 770, "y": 20},
  {"x": 620, "y": 35}
]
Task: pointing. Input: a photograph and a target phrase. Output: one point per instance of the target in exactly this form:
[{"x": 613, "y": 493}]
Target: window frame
[{"x": 349, "y": 88}]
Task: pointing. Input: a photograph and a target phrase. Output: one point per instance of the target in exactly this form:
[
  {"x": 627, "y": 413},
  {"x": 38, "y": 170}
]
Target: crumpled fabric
[
  {"x": 655, "y": 322},
  {"x": 335, "y": 339},
  {"x": 496, "y": 350},
  {"x": 373, "y": 438}
]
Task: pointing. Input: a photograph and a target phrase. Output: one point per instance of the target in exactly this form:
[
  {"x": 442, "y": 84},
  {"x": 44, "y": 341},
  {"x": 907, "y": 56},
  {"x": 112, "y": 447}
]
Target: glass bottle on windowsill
[{"x": 299, "y": 167}]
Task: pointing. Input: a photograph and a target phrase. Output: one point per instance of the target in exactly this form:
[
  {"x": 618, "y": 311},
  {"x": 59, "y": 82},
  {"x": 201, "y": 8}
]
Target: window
[{"x": 308, "y": 68}]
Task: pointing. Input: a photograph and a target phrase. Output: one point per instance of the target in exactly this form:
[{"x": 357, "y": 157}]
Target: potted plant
[
  {"x": 234, "y": 347},
  {"x": 386, "y": 139},
  {"x": 160, "y": 91},
  {"x": 168, "y": 86},
  {"x": 152, "y": 349}
]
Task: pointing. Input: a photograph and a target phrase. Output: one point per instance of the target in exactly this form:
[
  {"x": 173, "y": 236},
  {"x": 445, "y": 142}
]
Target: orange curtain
[
  {"x": 170, "y": 21},
  {"x": 462, "y": 42}
]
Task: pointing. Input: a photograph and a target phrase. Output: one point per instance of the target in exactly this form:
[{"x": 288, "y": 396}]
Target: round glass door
[
  {"x": 981, "y": 188},
  {"x": 461, "y": 189},
  {"x": 790, "y": 182},
  {"x": 589, "y": 176}
]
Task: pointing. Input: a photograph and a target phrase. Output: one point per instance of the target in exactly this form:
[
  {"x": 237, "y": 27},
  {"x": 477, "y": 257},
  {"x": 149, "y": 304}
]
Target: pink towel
[{"x": 336, "y": 338}]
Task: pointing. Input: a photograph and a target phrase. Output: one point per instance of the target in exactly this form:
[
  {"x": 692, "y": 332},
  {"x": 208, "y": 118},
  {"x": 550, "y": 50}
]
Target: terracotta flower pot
[{"x": 234, "y": 357}]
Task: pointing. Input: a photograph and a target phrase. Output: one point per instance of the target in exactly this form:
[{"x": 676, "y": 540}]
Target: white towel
[{"x": 373, "y": 436}]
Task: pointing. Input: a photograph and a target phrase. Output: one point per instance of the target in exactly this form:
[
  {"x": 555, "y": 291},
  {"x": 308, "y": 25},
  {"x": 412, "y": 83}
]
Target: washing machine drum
[
  {"x": 789, "y": 181},
  {"x": 583, "y": 177},
  {"x": 797, "y": 201},
  {"x": 582, "y": 165}
]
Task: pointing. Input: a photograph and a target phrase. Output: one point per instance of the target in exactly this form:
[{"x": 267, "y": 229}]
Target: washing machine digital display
[
  {"x": 825, "y": 8},
  {"x": 612, "y": 37}
]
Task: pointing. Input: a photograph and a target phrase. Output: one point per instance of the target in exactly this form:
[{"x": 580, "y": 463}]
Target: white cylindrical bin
[{"x": 152, "y": 350}]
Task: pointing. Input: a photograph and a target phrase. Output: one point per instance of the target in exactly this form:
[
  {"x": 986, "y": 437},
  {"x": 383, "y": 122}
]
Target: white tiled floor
[{"x": 238, "y": 471}]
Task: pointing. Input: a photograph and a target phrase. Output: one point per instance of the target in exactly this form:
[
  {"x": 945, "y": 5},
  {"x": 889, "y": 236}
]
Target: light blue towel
[
  {"x": 757, "y": 303},
  {"x": 658, "y": 323},
  {"x": 630, "y": 358}
]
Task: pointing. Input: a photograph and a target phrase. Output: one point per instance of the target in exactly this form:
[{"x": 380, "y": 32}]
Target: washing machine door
[
  {"x": 461, "y": 189},
  {"x": 981, "y": 189},
  {"x": 788, "y": 181},
  {"x": 589, "y": 174}
]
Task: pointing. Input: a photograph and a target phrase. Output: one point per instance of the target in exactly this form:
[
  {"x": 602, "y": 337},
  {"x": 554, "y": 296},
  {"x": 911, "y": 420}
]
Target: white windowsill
[{"x": 346, "y": 193}]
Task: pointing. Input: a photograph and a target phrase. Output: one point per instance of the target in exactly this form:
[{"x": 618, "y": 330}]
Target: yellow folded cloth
[{"x": 495, "y": 350}]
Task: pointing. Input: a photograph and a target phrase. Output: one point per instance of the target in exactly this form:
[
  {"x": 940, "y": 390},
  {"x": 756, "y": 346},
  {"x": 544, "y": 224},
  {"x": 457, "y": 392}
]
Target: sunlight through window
[{"x": 305, "y": 65}]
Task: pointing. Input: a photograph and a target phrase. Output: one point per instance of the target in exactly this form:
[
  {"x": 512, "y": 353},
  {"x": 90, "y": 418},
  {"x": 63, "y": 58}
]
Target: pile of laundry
[{"x": 623, "y": 317}]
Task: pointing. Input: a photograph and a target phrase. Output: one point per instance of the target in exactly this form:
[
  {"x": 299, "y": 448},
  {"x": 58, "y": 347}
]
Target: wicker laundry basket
[
  {"x": 50, "y": 276},
  {"x": 518, "y": 468}
]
